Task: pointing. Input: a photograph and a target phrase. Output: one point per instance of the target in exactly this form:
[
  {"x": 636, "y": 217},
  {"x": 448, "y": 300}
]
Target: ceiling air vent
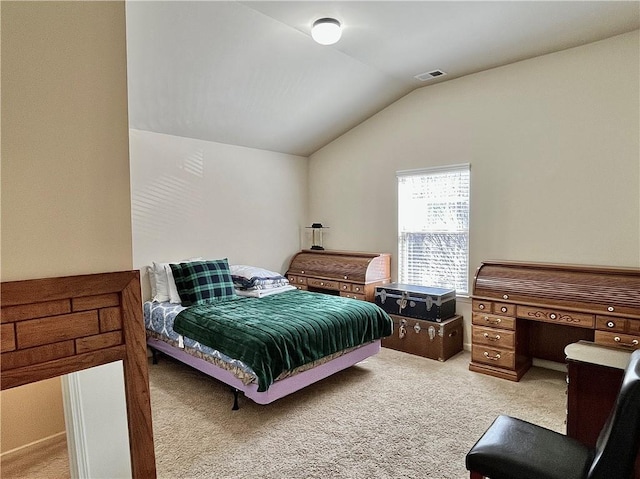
[{"x": 430, "y": 75}]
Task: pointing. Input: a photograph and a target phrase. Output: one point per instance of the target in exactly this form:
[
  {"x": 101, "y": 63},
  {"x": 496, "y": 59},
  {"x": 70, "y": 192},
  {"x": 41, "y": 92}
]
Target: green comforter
[{"x": 283, "y": 331}]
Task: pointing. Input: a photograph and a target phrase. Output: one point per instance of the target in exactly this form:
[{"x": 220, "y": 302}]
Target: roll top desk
[
  {"x": 524, "y": 310},
  {"x": 345, "y": 273}
]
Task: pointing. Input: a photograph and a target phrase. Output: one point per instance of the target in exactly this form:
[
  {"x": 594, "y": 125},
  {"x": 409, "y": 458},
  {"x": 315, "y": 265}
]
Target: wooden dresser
[
  {"x": 526, "y": 310},
  {"x": 346, "y": 273}
]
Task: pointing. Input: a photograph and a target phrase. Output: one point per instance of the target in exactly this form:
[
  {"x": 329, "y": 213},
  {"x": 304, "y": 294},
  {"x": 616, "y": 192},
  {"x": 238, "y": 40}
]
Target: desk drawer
[
  {"x": 491, "y": 320},
  {"x": 608, "y": 323},
  {"x": 616, "y": 340},
  {"x": 322, "y": 283},
  {"x": 297, "y": 279},
  {"x": 568, "y": 318},
  {"x": 501, "y": 358},
  {"x": 352, "y": 295},
  {"x": 481, "y": 306},
  {"x": 358, "y": 288},
  {"x": 492, "y": 337},
  {"x": 504, "y": 308}
]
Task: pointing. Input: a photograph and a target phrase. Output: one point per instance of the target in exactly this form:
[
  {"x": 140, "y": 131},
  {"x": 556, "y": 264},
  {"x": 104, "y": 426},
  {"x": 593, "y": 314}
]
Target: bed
[{"x": 250, "y": 329}]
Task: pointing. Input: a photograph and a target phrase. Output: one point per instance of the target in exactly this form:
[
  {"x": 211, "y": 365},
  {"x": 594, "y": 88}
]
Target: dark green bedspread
[{"x": 283, "y": 331}]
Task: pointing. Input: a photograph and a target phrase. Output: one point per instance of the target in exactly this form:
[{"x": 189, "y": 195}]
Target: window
[{"x": 433, "y": 227}]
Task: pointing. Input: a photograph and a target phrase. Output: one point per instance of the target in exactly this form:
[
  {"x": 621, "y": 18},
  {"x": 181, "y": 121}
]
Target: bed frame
[
  {"x": 55, "y": 326},
  {"x": 279, "y": 388}
]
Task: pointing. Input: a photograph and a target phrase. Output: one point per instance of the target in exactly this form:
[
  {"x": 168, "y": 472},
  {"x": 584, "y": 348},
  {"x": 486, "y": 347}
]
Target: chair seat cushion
[{"x": 516, "y": 449}]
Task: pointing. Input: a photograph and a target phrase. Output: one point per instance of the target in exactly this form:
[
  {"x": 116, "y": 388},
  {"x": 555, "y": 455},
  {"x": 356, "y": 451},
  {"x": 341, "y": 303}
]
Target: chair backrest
[{"x": 618, "y": 442}]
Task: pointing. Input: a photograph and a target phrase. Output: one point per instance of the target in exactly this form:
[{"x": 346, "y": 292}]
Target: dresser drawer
[
  {"x": 493, "y": 337},
  {"x": 607, "y": 323},
  {"x": 567, "y": 318},
  {"x": 501, "y": 358},
  {"x": 323, "y": 283},
  {"x": 617, "y": 340},
  {"x": 492, "y": 320},
  {"x": 634, "y": 326}
]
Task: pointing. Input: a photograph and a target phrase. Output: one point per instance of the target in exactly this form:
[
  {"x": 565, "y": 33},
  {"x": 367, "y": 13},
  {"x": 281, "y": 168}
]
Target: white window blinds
[{"x": 433, "y": 227}]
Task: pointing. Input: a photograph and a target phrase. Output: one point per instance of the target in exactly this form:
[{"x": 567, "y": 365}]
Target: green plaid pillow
[{"x": 200, "y": 282}]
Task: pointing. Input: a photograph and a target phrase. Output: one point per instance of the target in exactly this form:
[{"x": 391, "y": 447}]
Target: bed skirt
[{"x": 278, "y": 389}]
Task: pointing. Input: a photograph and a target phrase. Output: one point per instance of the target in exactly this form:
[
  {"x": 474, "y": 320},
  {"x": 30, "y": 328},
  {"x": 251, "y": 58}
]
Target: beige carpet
[
  {"x": 48, "y": 461},
  {"x": 392, "y": 416}
]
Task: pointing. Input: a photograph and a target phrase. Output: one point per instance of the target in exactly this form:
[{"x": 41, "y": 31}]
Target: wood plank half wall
[{"x": 55, "y": 326}]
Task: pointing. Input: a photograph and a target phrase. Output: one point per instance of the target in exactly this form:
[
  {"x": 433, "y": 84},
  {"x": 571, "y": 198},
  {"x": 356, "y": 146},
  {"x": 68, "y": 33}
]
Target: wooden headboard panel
[{"x": 54, "y": 326}]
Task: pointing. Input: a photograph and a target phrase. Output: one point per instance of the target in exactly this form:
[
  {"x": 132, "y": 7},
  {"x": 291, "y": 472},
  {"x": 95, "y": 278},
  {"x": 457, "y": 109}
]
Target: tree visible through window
[{"x": 433, "y": 227}]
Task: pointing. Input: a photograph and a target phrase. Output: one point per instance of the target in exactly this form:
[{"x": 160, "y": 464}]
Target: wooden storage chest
[{"x": 426, "y": 338}]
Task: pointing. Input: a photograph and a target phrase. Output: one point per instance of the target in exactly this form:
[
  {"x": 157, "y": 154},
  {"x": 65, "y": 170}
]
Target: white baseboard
[{"x": 27, "y": 449}]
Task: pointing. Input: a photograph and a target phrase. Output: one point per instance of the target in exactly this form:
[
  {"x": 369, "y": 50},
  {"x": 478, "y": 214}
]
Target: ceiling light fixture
[{"x": 326, "y": 31}]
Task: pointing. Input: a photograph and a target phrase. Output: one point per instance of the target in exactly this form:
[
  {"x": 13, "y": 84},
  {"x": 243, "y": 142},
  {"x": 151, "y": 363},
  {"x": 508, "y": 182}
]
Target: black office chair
[{"x": 516, "y": 449}]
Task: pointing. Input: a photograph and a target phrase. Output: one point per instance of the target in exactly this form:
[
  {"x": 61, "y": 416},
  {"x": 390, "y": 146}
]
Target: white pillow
[
  {"x": 162, "y": 286},
  {"x": 252, "y": 271},
  {"x": 165, "y": 283},
  {"x": 152, "y": 281}
]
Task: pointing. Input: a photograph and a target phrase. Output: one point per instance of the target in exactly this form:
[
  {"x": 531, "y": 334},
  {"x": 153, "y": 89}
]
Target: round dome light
[{"x": 326, "y": 31}]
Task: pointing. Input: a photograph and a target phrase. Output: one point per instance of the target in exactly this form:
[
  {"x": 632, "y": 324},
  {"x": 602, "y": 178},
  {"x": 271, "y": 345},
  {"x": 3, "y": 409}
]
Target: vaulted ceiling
[{"x": 249, "y": 74}]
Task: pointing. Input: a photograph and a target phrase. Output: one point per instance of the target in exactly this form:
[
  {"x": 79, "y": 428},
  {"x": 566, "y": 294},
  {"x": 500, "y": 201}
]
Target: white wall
[
  {"x": 198, "y": 198},
  {"x": 554, "y": 149}
]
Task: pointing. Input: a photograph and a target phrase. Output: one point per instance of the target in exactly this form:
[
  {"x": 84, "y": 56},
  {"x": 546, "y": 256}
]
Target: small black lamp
[{"x": 316, "y": 238}]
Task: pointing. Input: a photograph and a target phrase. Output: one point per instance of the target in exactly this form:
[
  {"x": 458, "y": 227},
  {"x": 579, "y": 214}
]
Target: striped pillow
[{"x": 201, "y": 282}]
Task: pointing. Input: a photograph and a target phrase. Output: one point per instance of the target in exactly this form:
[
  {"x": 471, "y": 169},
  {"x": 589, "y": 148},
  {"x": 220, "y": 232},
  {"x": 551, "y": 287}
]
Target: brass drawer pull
[
  {"x": 493, "y": 358},
  {"x": 492, "y": 321},
  {"x": 503, "y": 309},
  {"x": 495, "y": 338},
  {"x": 481, "y": 306},
  {"x": 633, "y": 343},
  {"x": 610, "y": 324}
]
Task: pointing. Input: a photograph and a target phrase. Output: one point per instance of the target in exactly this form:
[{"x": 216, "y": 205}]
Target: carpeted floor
[
  {"x": 392, "y": 416},
  {"x": 47, "y": 461}
]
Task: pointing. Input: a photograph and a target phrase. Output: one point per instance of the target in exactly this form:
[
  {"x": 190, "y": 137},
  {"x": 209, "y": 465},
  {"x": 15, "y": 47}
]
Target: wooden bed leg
[
  {"x": 235, "y": 400},
  {"x": 154, "y": 356}
]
